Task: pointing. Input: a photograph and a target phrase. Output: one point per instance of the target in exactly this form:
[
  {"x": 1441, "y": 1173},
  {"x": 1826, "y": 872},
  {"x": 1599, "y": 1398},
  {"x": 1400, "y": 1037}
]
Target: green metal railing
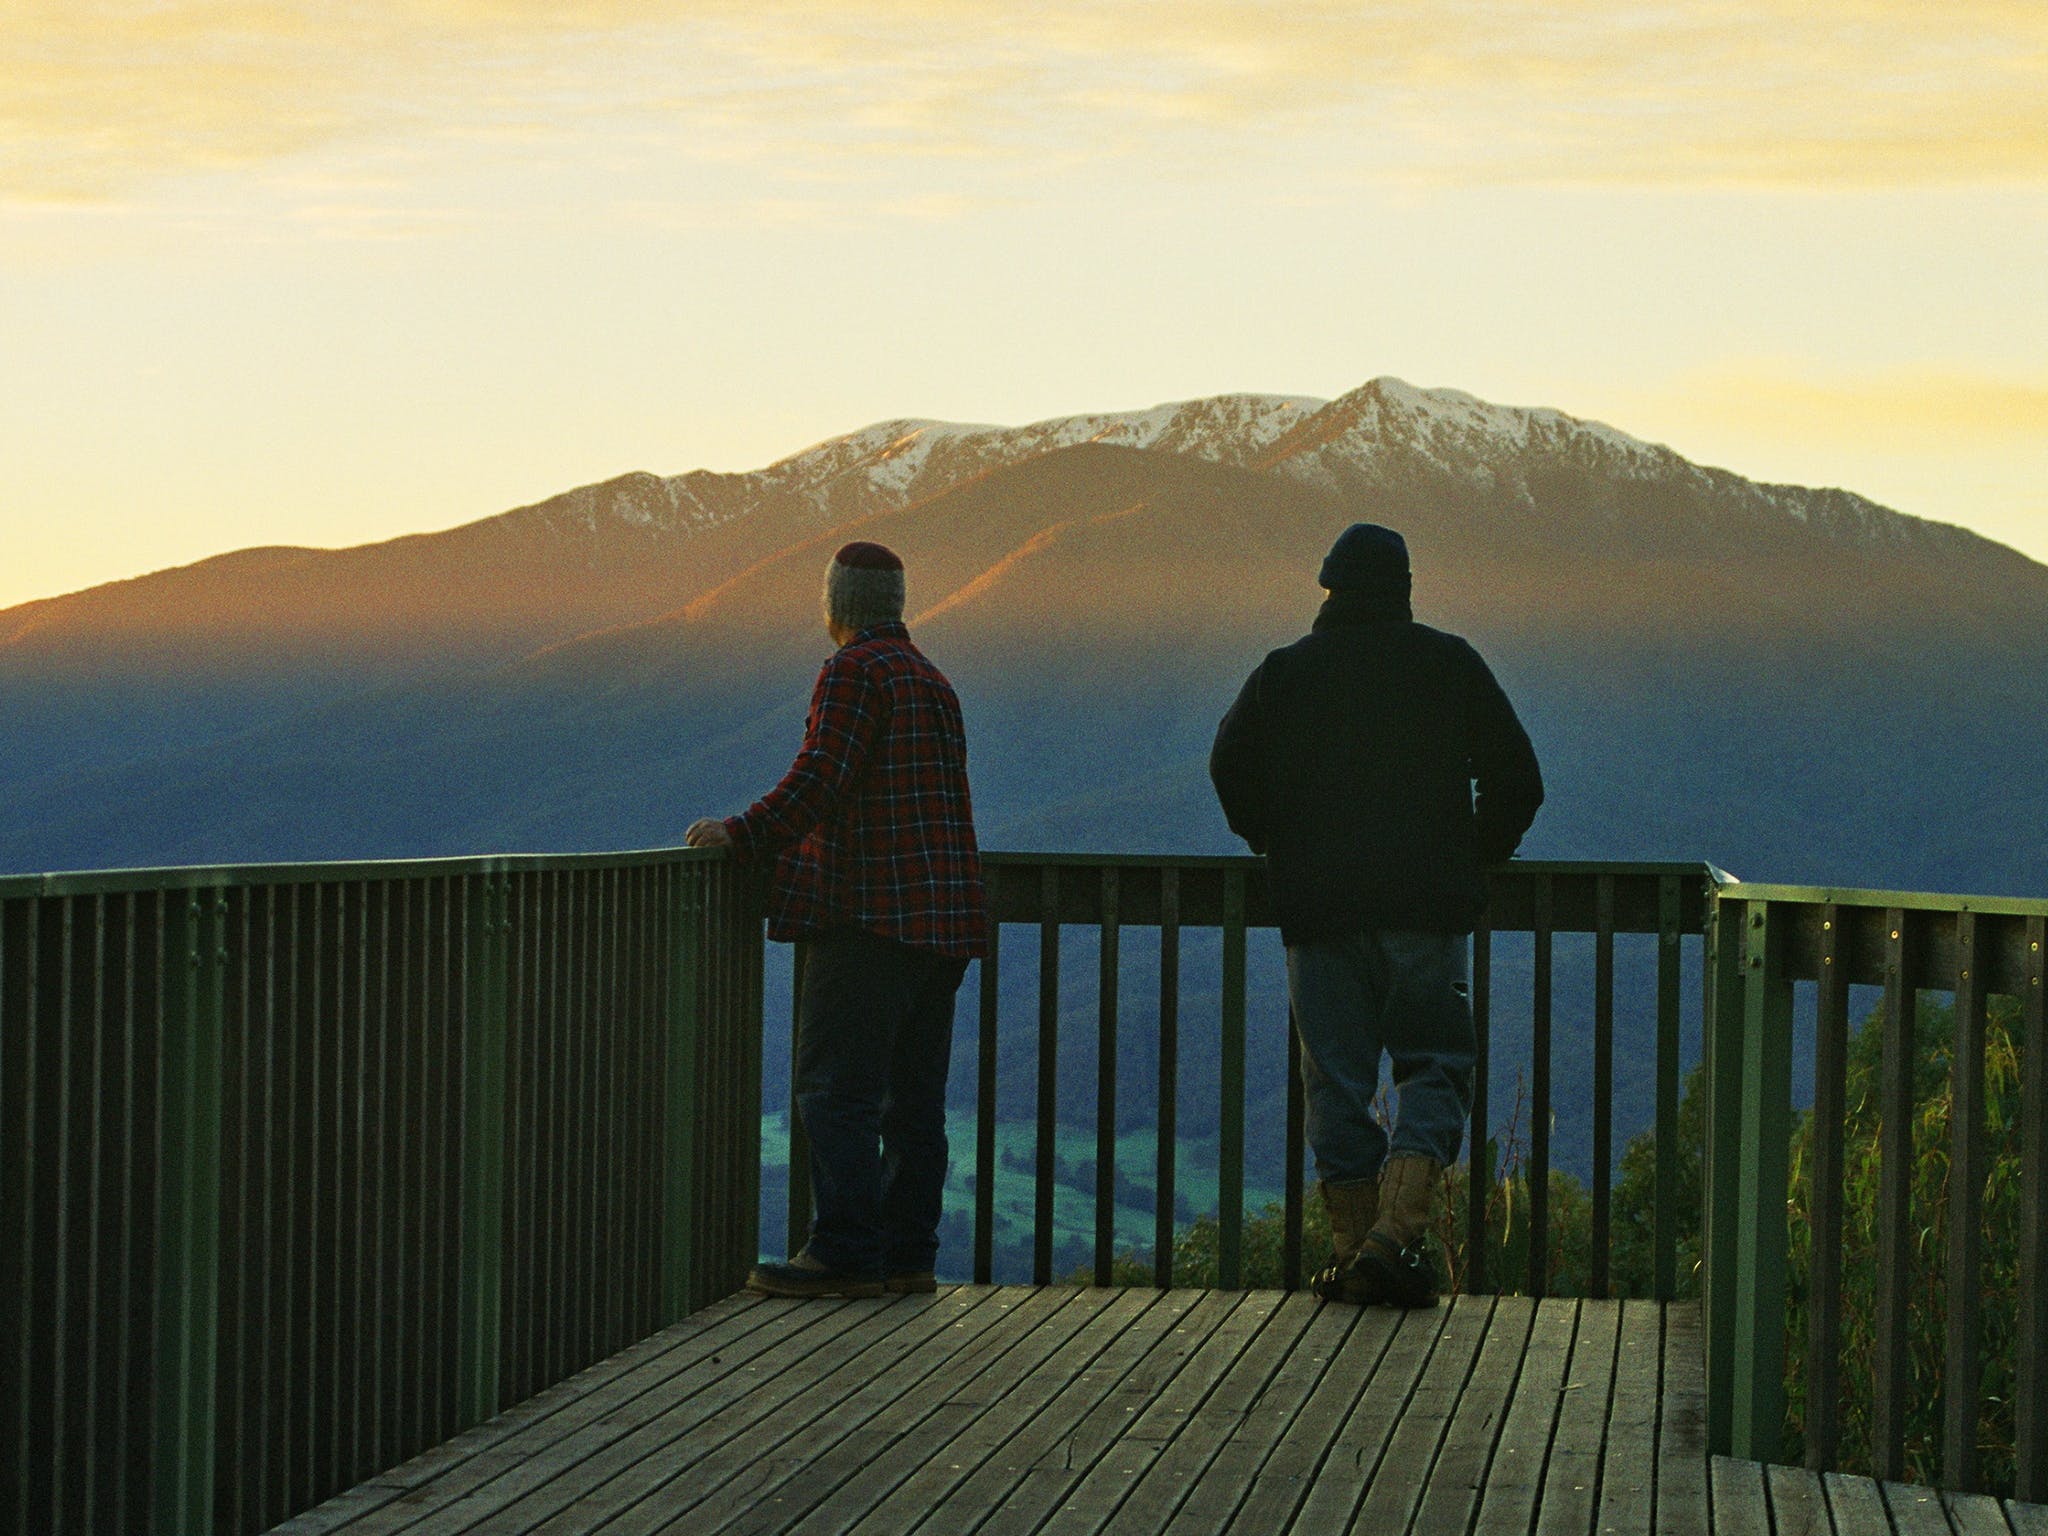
[
  {"x": 1767, "y": 939},
  {"x": 308, "y": 1167},
  {"x": 1543, "y": 900}
]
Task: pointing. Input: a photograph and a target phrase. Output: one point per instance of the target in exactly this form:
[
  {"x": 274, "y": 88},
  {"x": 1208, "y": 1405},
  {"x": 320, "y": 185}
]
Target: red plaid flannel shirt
[{"x": 872, "y": 826}]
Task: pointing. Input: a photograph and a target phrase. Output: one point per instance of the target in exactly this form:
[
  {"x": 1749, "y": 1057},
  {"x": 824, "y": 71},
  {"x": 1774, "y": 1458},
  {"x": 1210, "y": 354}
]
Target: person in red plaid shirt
[{"x": 877, "y": 870}]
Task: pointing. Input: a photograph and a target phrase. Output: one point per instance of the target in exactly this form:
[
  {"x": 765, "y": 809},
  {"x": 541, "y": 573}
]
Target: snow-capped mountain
[
  {"x": 1097, "y": 583},
  {"x": 1386, "y": 436}
]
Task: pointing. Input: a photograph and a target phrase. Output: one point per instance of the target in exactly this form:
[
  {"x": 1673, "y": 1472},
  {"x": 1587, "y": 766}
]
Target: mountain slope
[{"x": 1794, "y": 682}]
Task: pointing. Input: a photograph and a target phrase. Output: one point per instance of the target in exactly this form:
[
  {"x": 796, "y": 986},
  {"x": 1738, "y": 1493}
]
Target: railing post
[
  {"x": 486, "y": 957},
  {"x": 1963, "y": 1386},
  {"x": 1758, "y": 1418},
  {"x": 1723, "y": 1051},
  {"x": 188, "y": 1254},
  {"x": 2031, "y": 1416},
  {"x": 1891, "y": 1356},
  {"x": 1823, "y": 1426}
]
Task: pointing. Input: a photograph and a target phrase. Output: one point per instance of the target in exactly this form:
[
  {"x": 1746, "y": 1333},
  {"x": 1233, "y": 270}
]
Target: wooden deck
[{"x": 1069, "y": 1410}]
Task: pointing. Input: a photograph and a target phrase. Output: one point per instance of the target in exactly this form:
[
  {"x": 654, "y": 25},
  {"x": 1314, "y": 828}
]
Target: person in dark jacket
[
  {"x": 1350, "y": 760},
  {"x": 871, "y": 833}
]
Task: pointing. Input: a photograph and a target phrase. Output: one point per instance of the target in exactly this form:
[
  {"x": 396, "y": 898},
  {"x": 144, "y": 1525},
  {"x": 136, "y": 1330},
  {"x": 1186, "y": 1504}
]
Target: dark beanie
[
  {"x": 864, "y": 586},
  {"x": 1366, "y": 557}
]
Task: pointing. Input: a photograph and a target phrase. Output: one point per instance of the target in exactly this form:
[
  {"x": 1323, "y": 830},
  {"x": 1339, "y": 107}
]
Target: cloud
[{"x": 98, "y": 97}]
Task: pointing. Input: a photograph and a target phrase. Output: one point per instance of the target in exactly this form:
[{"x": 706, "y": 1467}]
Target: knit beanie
[
  {"x": 864, "y": 586},
  {"x": 1367, "y": 557}
]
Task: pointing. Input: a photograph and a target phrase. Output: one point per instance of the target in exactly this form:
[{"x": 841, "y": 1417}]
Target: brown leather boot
[
  {"x": 1353, "y": 1205},
  {"x": 1393, "y": 1264}
]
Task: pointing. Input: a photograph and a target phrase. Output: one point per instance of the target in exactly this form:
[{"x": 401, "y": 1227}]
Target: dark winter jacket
[{"x": 1349, "y": 760}]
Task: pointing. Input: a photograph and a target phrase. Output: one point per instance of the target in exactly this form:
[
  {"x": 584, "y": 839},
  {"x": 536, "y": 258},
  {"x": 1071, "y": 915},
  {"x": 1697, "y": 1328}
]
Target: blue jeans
[
  {"x": 1407, "y": 994},
  {"x": 874, "y": 1039}
]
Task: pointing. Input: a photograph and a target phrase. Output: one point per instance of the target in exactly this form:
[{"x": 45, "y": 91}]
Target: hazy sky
[{"x": 326, "y": 272}]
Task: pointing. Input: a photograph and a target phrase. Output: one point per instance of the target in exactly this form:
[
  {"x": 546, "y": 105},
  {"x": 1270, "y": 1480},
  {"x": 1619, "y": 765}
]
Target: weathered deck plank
[
  {"x": 1741, "y": 1502},
  {"x": 997, "y": 1436},
  {"x": 1682, "y": 1426},
  {"x": 1048, "y": 1481},
  {"x": 660, "y": 1437},
  {"x": 1514, "y": 1480},
  {"x": 1916, "y": 1511},
  {"x": 1021, "y": 1410},
  {"x": 1799, "y": 1505},
  {"x": 1396, "y": 1491},
  {"x": 1188, "y": 1457},
  {"x": 775, "y": 1469},
  {"x": 1280, "y": 1415},
  {"x": 989, "y": 1485},
  {"x": 848, "y": 1479},
  {"x": 1570, "y": 1495},
  {"x": 1628, "y": 1474},
  {"x": 1091, "y": 1503},
  {"x": 1457, "y": 1480}
]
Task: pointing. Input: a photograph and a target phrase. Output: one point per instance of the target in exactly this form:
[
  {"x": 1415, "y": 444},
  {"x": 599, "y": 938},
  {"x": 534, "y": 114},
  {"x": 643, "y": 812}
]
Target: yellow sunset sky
[{"x": 323, "y": 273}]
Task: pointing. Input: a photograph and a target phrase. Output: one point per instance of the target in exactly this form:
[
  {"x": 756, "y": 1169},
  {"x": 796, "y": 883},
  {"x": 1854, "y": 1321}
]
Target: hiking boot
[
  {"x": 807, "y": 1276},
  {"x": 911, "y": 1282},
  {"x": 1393, "y": 1265},
  {"x": 1394, "y": 1277},
  {"x": 1353, "y": 1205}
]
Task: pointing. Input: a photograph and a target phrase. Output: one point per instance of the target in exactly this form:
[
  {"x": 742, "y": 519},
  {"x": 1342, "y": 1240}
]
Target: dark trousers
[
  {"x": 1406, "y": 995},
  {"x": 874, "y": 1039}
]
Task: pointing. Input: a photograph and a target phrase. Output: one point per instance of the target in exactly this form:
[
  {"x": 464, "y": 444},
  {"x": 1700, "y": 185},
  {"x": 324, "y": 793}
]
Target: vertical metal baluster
[
  {"x": 1048, "y": 1071},
  {"x": 304, "y": 1182},
  {"x": 1230, "y": 1131},
  {"x": 53, "y": 1252},
  {"x": 679, "y": 1089},
  {"x": 347, "y": 1323},
  {"x": 383, "y": 1441},
  {"x": 92, "y": 1474},
  {"x": 18, "y": 1147},
  {"x": 1539, "y": 1097},
  {"x": 985, "y": 1089},
  {"x": 1169, "y": 1076},
  {"x": 1603, "y": 1081},
  {"x": 412, "y": 1115},
  {"x": 1105, "y": 1085},
  {"x": 241, "y": 1431},
  {"x": 1295, "y": 1196},
  {"x": 1665, "y": 1203},
  {"x": 799, "y": 1216},
  {"x": 1480, "y": 1165}
]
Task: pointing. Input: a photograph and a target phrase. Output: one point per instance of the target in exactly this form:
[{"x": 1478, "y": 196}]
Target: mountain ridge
[{"x": 627, "y": 623}]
